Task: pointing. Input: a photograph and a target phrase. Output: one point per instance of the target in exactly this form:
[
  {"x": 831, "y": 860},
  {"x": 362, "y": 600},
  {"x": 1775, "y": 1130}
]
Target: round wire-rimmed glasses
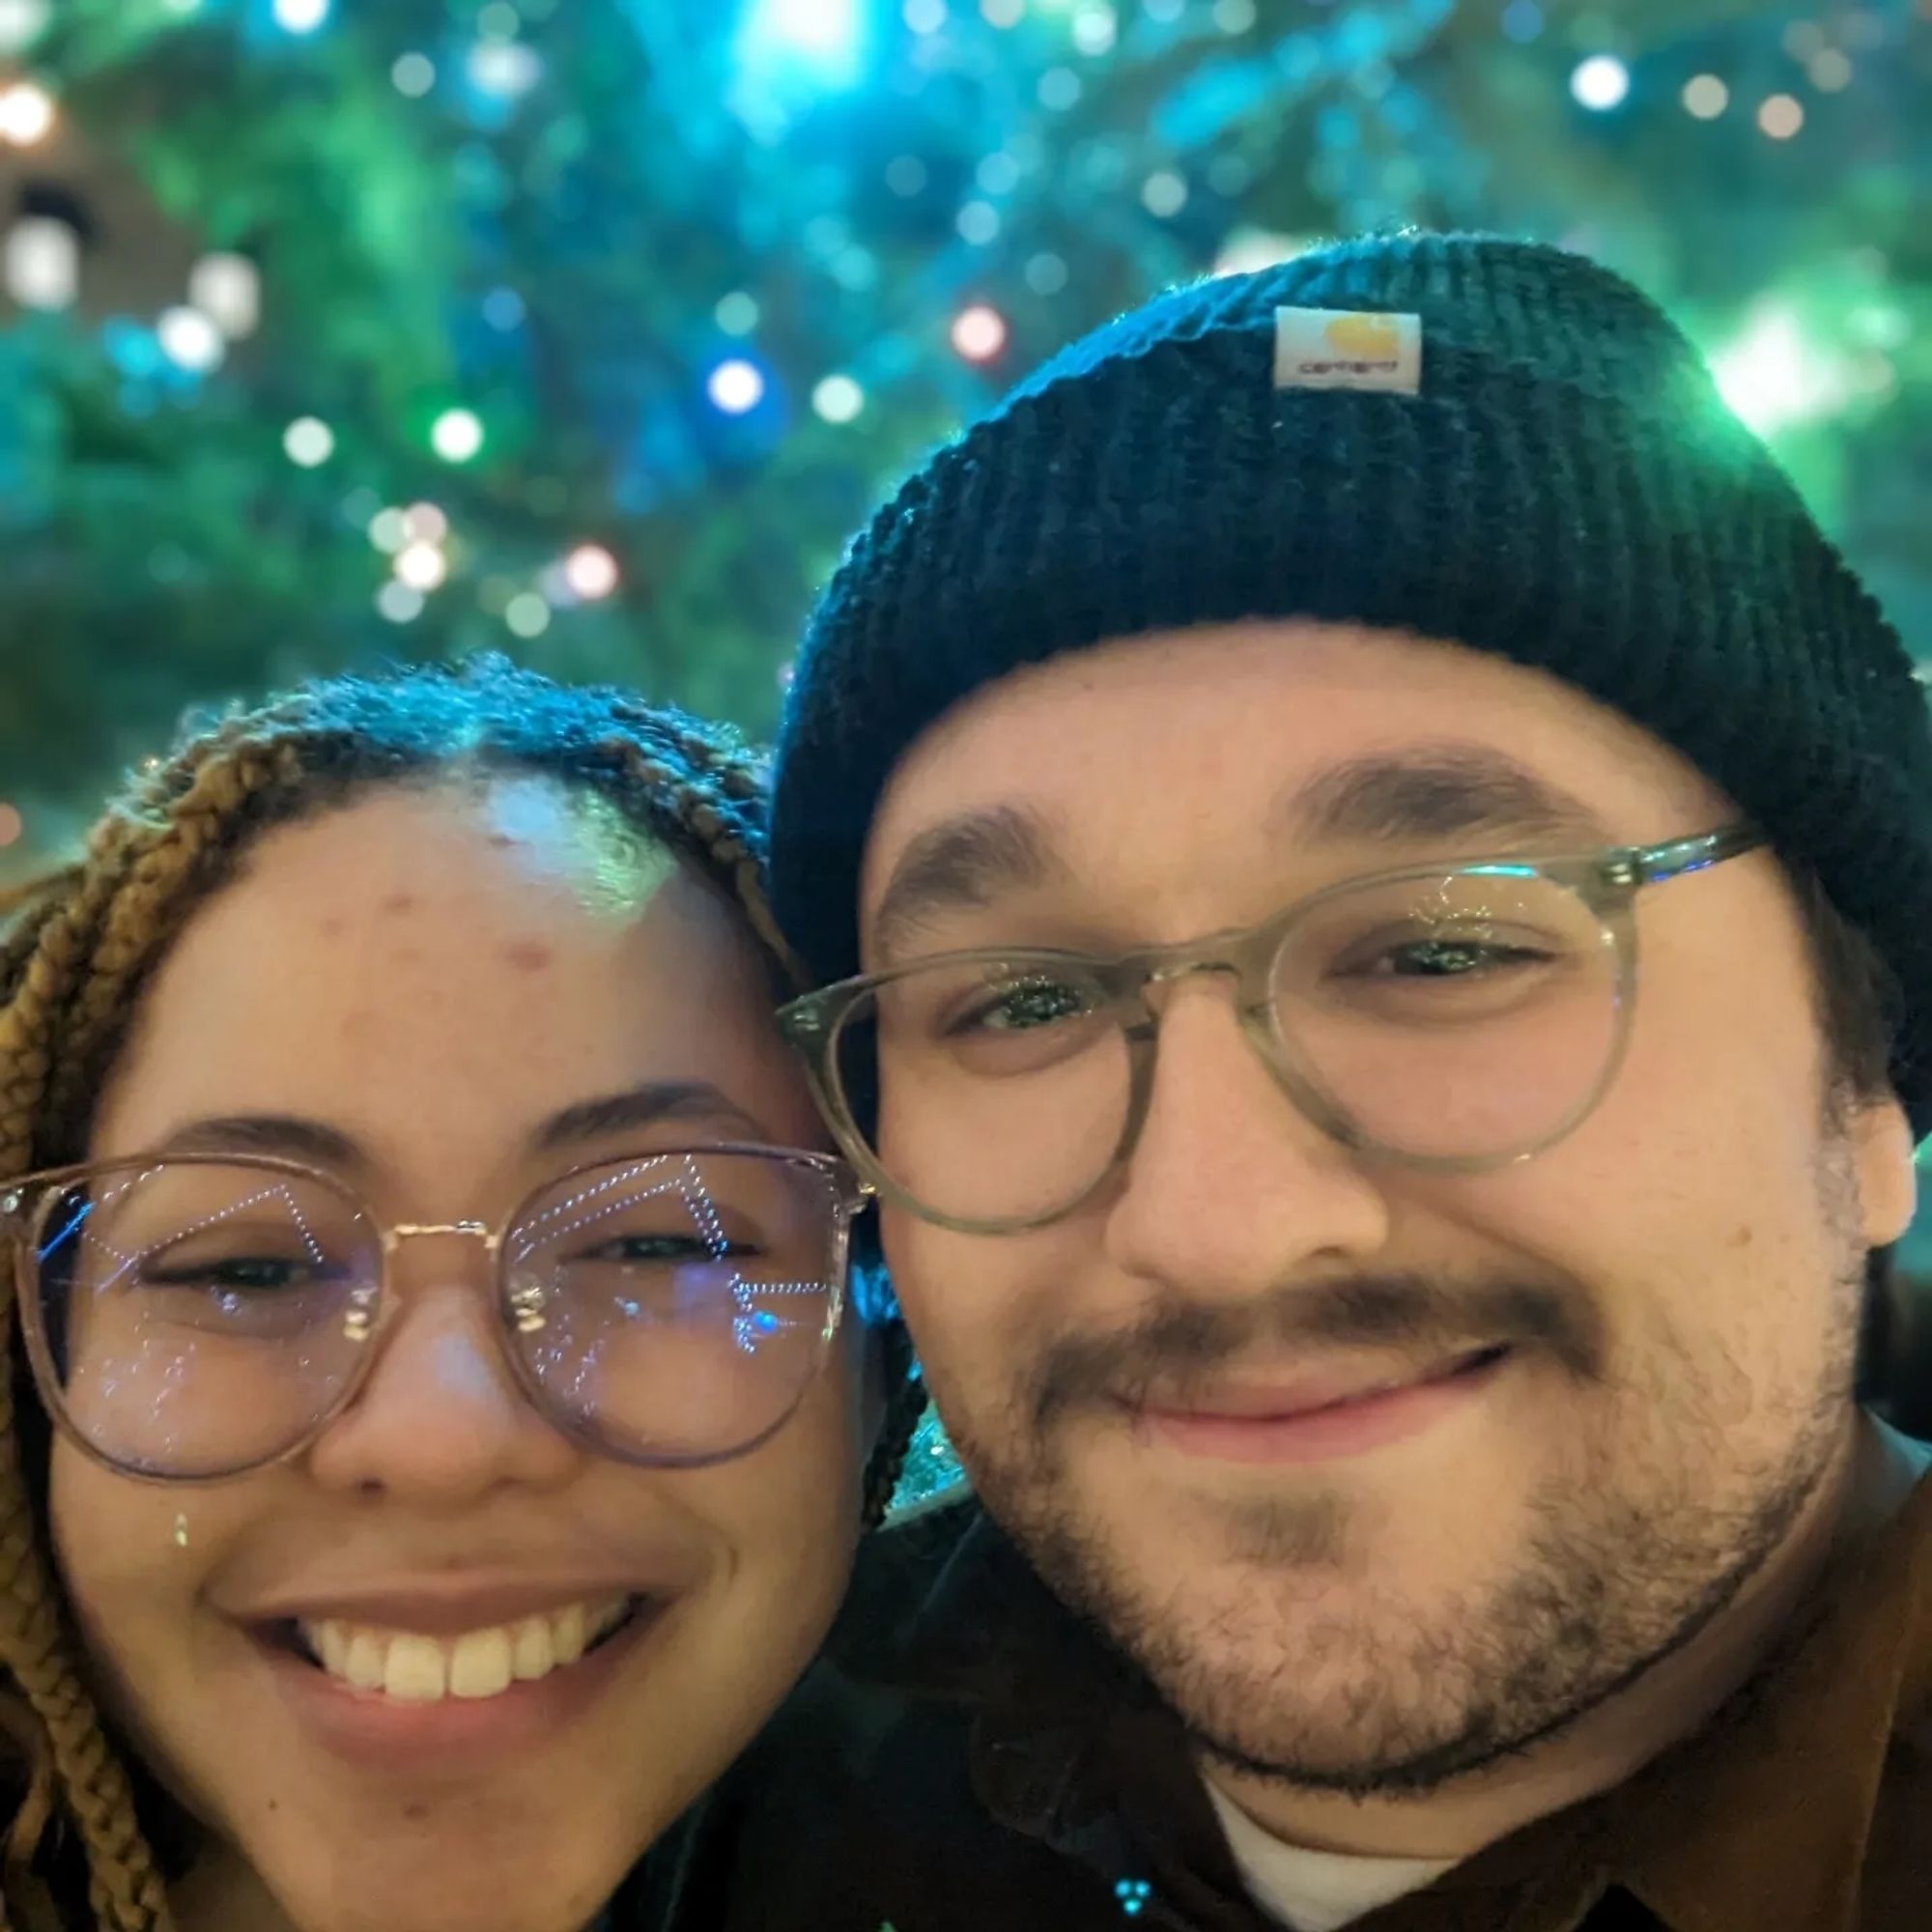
[
  {"x": 1455, "y": 1016},
  {"x": 192, "y": 1316}
]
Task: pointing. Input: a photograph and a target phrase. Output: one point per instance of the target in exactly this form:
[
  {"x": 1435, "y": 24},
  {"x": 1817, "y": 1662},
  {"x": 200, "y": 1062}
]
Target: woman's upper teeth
[{"x": 415, "y": 1668}]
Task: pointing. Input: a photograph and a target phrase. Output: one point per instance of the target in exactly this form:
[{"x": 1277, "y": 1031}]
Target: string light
[
  {"x": 399, "y": 601},
  {"x": 413, "y": 76},
  {"x": 425, "y": 524},
  {"x": 1164, "y": 193},
  {"x": 11, "y": 824},
  {"x": 1001, "y": 12},
  {"x": 388, "y": 529},
  {"x": 838, "y": 398},
  {"x": 1246, "y": 249},
  {"x": 227, "y": 289},
  {"x": 979, "y": 332},
  {"x": 1046, "y": 273},
  {"x": 300, "y": 16},
  {"x": 308, "y": 442},
  {"x": 1706, "y": 97},
  {"x": 590, "y": 571},
  {"x": 1781, "y": 117},
  {"x": 503, "y": 310},
  {"x": 26, "y": 114},
  {"x": 1601, "y": 83},
  {"x": 1523, "y": 21},
  {"x": 737, "y": 314},
  {"x": 21, "y": 24},
  {"x": 1096, "y": 30},
  {"x": 189, "y": 340},
  {"x": 421, "y": 566},
  {"x": 41, "y": 263},
  {"x": 526, "y": 615},
  {"x": 1830, "y": 71},
  {"x": 505, "y": 67},
  {"x": 1058, "y": 89},
  {"x": 456, "y": 434},
  {"x": 1771, "y": 377},
  {"x": 736, "y": 386},
  {"x": 923, "y": 17},
  {"x": 977, "y": 222}
]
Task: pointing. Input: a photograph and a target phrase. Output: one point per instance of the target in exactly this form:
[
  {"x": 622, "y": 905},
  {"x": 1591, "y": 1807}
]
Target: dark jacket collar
[{"x": 1761, "y": 1819}]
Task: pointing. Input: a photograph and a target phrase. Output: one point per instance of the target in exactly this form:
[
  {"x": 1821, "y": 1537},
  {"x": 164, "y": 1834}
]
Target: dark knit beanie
[{"x": 1496, "y": 444}]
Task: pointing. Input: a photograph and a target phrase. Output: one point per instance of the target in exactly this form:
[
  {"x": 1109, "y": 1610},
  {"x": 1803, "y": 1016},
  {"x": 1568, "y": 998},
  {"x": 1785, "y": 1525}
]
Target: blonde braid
[
  {"x": 124, "y": 1889},
  {"x": 56, "y": 1031}
]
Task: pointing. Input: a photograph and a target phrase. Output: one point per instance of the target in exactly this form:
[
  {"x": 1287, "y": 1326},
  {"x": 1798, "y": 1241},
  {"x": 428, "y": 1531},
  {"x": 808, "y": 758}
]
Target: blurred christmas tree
[{"x": 589, "y": 328}]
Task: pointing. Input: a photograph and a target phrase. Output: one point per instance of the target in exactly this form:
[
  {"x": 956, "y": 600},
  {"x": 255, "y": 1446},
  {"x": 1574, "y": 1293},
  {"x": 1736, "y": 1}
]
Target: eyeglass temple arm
[{"x": 1652, "y": 865}]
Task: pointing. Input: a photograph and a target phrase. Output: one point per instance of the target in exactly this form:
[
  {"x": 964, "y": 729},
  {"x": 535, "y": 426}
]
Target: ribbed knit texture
[{"x": 1568, "y": 491}]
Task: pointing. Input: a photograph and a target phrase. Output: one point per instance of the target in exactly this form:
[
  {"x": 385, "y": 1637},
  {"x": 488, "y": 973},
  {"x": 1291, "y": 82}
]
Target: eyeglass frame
[
  {"x": 1607, "y": 882},
  {"x": 21, "y": 1205}
]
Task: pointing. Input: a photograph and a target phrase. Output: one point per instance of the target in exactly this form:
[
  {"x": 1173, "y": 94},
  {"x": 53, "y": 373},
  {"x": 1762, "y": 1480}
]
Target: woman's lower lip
[
  {"x": 1347, "y": 1428},
  {"x": 457, "y": 1735}
]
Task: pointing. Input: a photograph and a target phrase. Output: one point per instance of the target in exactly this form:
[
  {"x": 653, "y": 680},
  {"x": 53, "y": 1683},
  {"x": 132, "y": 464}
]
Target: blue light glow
[{"x": 818, "y": 40}]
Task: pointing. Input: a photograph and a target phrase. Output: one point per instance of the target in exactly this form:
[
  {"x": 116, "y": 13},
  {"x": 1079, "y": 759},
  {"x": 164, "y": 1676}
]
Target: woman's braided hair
[{"x": 83, "y": 945}]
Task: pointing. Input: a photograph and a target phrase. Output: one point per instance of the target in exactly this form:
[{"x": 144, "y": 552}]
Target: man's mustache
[{"x": 1181, "y": 1344}]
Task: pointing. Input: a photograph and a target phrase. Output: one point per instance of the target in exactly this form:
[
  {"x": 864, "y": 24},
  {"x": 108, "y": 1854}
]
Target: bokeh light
[
  {"x": 27, "y": 114},
  {"x": 839, "y": 399},
  {"x": 41, "y": 263},
  {"x": 736, "y": 386},
  {"x": 979, "y": 332},
  {"x": 526, "y": 615},
  {"x": 422, "y": 566},
  {"x": 590, "y": 571},
  {"x": 1706, "y": 97},
  {"x": 1601, "y": 83},
  {"x": 189, "y": 340},
  {"x": 227, "y": 289},
  {"x": 300, "y": 16},
  {"x": 457, "y": 435},
  {"x": 308, "y": 441}
]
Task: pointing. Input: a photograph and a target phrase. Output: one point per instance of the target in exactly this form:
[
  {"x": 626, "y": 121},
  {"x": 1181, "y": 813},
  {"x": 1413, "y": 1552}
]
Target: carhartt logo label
[{"x": 1327, "y": 348}]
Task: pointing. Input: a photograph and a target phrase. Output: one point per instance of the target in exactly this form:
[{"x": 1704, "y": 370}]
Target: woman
[{"x": 438, "y": 1437}]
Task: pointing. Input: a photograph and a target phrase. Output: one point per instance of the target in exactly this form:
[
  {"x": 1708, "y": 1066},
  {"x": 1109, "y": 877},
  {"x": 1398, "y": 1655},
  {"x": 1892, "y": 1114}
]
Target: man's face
[{"x": 1392, "y": 1595}]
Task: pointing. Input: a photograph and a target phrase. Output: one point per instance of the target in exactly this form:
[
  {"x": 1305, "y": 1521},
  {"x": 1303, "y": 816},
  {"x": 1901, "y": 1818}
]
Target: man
[{"x": 1406, "y": 1343}]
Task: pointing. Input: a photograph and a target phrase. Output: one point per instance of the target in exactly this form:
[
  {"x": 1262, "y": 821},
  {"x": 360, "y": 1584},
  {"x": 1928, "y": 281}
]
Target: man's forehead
[{"x": 1252, "y": 716}]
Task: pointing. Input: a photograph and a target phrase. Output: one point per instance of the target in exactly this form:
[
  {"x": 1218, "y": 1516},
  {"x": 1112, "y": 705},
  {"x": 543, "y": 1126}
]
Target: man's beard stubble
[{"x": 1622, "y": 1565}]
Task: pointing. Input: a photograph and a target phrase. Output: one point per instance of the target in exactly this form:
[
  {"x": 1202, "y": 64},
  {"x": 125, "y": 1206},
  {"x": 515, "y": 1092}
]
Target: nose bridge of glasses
[
  {"x": 409, "y": 1231},
  {"x": 1232, "y": 956}
]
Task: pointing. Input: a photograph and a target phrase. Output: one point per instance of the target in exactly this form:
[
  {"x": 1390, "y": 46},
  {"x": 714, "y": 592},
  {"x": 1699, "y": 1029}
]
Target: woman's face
[{"x": 429, "y": 980}]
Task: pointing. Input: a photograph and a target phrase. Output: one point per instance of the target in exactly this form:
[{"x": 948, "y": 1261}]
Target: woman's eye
[
  {"x": 638, "y": 1250},
  {"x": 239, "y": 1274}
]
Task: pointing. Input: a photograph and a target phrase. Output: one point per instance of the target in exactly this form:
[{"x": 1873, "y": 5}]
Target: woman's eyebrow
[
  {"x": 647, "y": 1105},
  {"x": 288, "y": 1136}
]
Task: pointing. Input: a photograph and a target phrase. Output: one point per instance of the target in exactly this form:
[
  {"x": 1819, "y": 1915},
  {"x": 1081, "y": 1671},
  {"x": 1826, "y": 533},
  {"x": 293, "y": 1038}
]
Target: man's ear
[{"x": 1882, "y": 1153}]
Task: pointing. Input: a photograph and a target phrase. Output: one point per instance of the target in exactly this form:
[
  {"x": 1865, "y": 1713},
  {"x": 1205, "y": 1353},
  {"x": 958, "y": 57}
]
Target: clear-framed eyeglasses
[
  {"x": 191, "y": 1316},
  {"x": 1455, "y": 1016}
]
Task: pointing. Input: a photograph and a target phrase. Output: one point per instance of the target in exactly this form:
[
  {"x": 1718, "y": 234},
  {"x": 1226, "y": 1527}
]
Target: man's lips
[{"x": 1304, "y": 1395}]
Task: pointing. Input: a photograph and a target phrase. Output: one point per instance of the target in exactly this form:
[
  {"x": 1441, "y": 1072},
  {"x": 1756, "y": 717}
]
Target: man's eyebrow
[
  {"x": 1434, "y": 791},
  {"x": 650, "y": 1104},
  {"x": 286, "y": 1136},
  {"x": 962, "y": 862}
]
